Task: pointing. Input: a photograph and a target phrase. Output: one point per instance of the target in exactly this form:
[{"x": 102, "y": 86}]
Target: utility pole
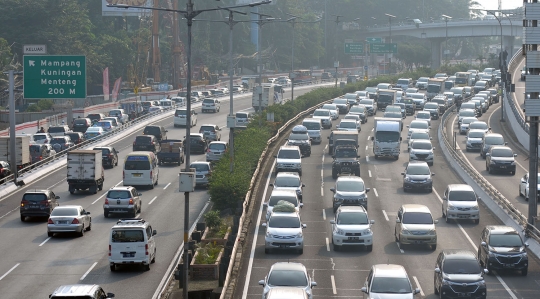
[
  {"x": 336, "y": 60},
  {"x": 390, "y": 38},
  {"x": 156, "y": 56},
  {"x": 176, "y": 49},
  {"x": 260, "y": 22}
]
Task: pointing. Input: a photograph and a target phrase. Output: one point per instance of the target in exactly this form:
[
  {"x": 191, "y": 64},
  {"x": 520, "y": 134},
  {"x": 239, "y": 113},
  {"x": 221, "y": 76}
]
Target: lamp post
[
  {"x": 501, "y": 63},
  {"x": 390, "y": 38},
  {"x": 336, "y": 61},
  {"x": 446, "y": 39},
  {"x": 189, "y": 14},
  {"x": 371, "y": 57}
]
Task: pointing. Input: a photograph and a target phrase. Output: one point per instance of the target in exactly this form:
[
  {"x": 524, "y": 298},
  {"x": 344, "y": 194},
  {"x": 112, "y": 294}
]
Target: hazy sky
[{"x": 506, "y": 4}]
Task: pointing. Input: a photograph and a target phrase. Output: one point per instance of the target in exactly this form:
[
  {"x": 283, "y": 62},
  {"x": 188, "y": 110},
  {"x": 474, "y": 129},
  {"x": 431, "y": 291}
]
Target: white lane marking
[
  {"x": 44, "y": 241},
  {"x": 322, "y": 171},
  {"x": 367, "y": 147},
  {"x": 327, "y": 245},
  {"x": 17, "y": 265},
  {"x": 88, "y": 272},
  {"x": 385, "y": 215},
  {"x": 368, "y": 138},
  {"x": 118, "y": 183},
  {"x": 255, "y": 235},
  {"x": 375, "y": 191},
  {"x": 372, "y": 129},
  {"x": 324, "y": 214},
  {"x": 99, "y": 198},
  {"x": 54, "y": 185},
  {"x": 166, "y": 186},
  {"x": 401, "y": 250},
  {"x": 474, "y": 247},
  {"x": 9, "y": 212},
  {"x": 369, "y": 172},
  {"x": 418, "y": 286},
  {"x": 152, "y": 200},
  {"x": 333, "y": 284},
  {"x": 367, "y": 158}
]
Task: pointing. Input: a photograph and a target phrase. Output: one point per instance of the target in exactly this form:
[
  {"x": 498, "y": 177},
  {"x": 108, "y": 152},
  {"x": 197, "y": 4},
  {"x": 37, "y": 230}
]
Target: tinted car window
[
  {"x": 152, "y": 131},
  {"x": 312, "y": 125},
  {"x": 117, "y": 194},
  {"x": 180, "y": 112},
  {"x": 35, "y": 149},
  {"x": 137, "y": 165},
  {"x": 287, "y": 182},
  {"x": 284, "y": 222},
  {"x": 56, "y": 129},
  {"x": 65, "y": 212},
  {"x": 200, "y": 167},
  {"x": 207, "y": 129},
  {"x": 143, "y": 140},
  {"x": 287, "y": 278},
  {"x": 58, "y": 141},
  {"x": 476, "y": 134},
  {"x": 505, "y": 240},
  {"x": 288, "y": 154},
  {"x": 80, "y": 121},
  {"x": 104, "y": 151},
  {"x": 208, "y": 101},
  {"x": 502, "y": 152},
  {"x": 456, "y": 266},
  {"x": 494, "y": 140},
  {"x": 394, "y": 285},
  {"x": 421, "y": 145},
  {"x": 35, "y": 197},
  {"x": 352, "y": 218},
  {"x": 462, "y": 196},
  {"x": 417, "y": 218},
  {"x": 217, "y": 146},
  {"x": 350, "y": 186},
  {"x": 122, "y": 236}
]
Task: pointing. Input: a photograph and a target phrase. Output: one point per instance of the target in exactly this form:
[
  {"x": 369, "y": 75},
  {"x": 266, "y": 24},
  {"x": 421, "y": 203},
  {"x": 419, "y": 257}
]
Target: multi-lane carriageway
[{"x": 342, "y": 274}]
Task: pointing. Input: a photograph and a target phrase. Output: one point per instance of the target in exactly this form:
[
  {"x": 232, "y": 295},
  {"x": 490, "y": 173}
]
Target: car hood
[
  {"x": 510, "y": 250},
  {"x": 281, "y": 160},
  {"x": 283, "y": 231},
  {"x": 390, "y": 296},
  {"x": 419, "y": 227},
  {"x": 474, "y": 140},
  {"x": 299, "y": 142},
  {"x": 421, "y": 151},
  {"x": 321, "y": 117},
  {"x": 287, "y": 188},
  {"x": 353, "y": 228},
  {"x": 502, "y": 159},
  {"x": 411, "y": 130},
  {"x": 419, "y": 177},
  {"x": 348, "y": 129},
  {"x": 463, "y": 204},
  {"x": 345, "y": 160},
  {"x": 463, "y": 277},
  {"x": 349, "y": 194}
]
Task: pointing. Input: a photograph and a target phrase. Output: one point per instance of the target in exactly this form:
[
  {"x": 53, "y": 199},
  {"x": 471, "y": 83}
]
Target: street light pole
[
  {"x": 336, "y": 61},
  {"x": 446, "y": 39},
  {"x": 390, "y": 38},
  {"x": 501, "y": 64}
]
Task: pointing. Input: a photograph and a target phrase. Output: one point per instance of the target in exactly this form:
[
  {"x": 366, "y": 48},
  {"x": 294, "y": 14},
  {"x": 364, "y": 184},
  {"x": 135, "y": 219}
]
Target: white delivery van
[
  {"x": 180, "y": 117},
  {"x": 141, "y": 169},
  {"x": 132, "y": 241}
]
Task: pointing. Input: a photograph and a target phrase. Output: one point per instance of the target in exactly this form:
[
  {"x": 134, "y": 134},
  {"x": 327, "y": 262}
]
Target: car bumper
[
  {"x": 294, "y": 243},
  {"x": 497, "y": 167},
  {"x": 468, "y": 214},
  {"x": 107, "y": 162},
  {"x": 284, "y": 168},
  {"x": 211, "y": 157},
  {"x": 356, "y": 203},
  {"x": 473, "y": 147},
  {"x": 417, "y": 186},
  {"x": 503, "y": 263},
  {"x": 119, "y": 210},
  {"x": 35, "y": 213},
  {"x": 201, "y": 181},
  {"x": 54, "y": 228},
  {"x": 428, "y": 159},
  {"x": 456, "y": 291},
  {"x": 418, "y": 239},
  {"x": 341, "y": 240}
]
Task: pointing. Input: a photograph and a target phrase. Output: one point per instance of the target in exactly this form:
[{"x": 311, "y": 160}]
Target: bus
[
  {"x": 303, "y": 77},
  {"x": 463, "y": 79}
]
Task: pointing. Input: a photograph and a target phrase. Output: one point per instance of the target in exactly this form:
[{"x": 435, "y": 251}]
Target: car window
[
  {"x": 207, "y": 129},
  {"x": 217, "y": 146},
  {"x": 58, "y": 140},
  {"x": 122, "y": 236},
  {"x": 118, "y": 194},
  {"x": 393, "y": 285},
  {"x": 137, "y": 165},
  {"x": 421, "y": 145},
  {"x": 462, "y": 196},
  {"x": 152, "y": 130},
  {"x": 56, "y": 130},
  {"x": 465, "y": 266},
  {"x": 287, "y": 278},
  {"x": 311, "y": 125},
  {"x": 419, "y": 125},
  {"x": 284, "y": 222},
  {"x": 506, "y": 240},
  {"x": 419, "y": 135},
  {"x": 347, "y": 124},
  {"x": 143, "y": 140},
  {"x": 200, "y": 167},
  {"x": 301, "y": 136},
  {"x": 34, "y": 197},
  {"x": 473, "y": 134},
  {"x": 275, "y": 199},
  {"x": 289, "y": 154},
  {"x": 494, "y": 140},
  {"x": 352, "y": 218},
  {"x": 417, "y": 218},
  {"x": 287, "y": 182},
  {"x": 502, "y": 152},
  {"x": 350, "y": 186},
  {"x": 65, "y": 212}
]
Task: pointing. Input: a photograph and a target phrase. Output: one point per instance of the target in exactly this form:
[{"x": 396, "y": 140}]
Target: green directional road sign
[
  {"x": 374, "y": 40},
  {"x": 383, "y": 48},
  {"x": 54, "y": 76},
  {"x": 354, "y": 48}
]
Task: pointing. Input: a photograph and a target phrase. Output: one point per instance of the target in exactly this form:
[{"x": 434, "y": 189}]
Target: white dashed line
[
  {"x": 333, "y": 284},
  {"x": 375, "y": 191},
  {"x": 367, "y": 158},
  {"x": 166, "y": 186},
  {"x": 87, "y": 272},
  {"x": 385, "y": 215},
  {"x": 99, "y": 198},
  {"x": 368, "y": 138},
  {"x": 327, "y": 245},
  {"x": 17, "y": 265},
  {"x": 367, "y": 147},
  {"x": 369, "y": 172},
  {"x": 152, "y": 200},
  {"x": 418, "y": 286},
  {"x": 44, "y": 241},
  {"x": 324, "y": 214}
]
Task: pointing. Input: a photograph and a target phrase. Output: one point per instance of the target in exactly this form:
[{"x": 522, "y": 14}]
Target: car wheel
[
  {"x": 151, "y": 186},
  {"x": 435, "y": 290},
  {"x": 81, "y": 233},
  {"x": 513, "y": 173},
  {"x": 524, "y": 272},
  {"x": 106, "y": 213},
  {"x": 476, "y": 221},
  {"x": 267, "y": 250},
  {"x": 519, "y": 191},
  {"x": 446, "y": 218},
  {"x": 71, "y": 190},
  {"x": 112, "y": 267},
  {"x": 89, "y": 226},
  {"x": 50, "y": 235},
  {"x": 434, "y": 247},
  {"x": 334, "y": 174},
  {"x": 134, "y": 213},
  {"x": 369, "y": 248},
  {"x": 23, "y": 218},
  {"x": 336, "y": 247},
  {"x": 153, "y": 258},
  {"x": 301, "y": 251},
  {"x": 146, "y": 267},
  {"x": 140, "y": 208},
  {"x": 442, "y": 210}
]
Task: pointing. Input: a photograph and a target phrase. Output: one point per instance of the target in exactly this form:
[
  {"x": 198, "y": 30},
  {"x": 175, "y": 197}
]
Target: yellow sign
[
  {"x": 136, "y": 90},
  {"x": 365, "y": 78}
]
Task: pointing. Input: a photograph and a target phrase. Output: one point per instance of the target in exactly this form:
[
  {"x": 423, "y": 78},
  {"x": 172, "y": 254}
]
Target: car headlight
[
  {"x": 481, "y": 283},
  {"x": 279, "y": 165},
  {"x": 367, "y": 232},
  {"x": 513, "y": 163},
  {"x": 407, "y": 179},
  {"x": 268, "y": 234},
  {"x": 491, "y": 254},
  {"x": 451, "y": 207},
  {"x": 339, "y": 231},
  {"x": 474, "y": 208},
  {"x": 492, "y": 162},
  {"x": 405, "y": 232},
  {"x": 299, "y": 235},
  {"x": 432, "y": 232},
  {"x": 445, "y": 282},
  {"x": 523, "y": 254},
  {"x": 337, "y": 199}
]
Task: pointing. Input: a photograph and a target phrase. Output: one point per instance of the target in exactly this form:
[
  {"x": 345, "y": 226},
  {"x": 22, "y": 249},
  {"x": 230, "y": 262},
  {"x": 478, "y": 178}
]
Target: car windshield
[
  {"x": 289, "y": 154},
  {"x": 422, "y": 79},
  {"x": 494, "y": 140},
  {"x": 468, "y": 106},
  {"x": 467, "y": 113},
  {"x": 311, "y": 125},
  {"x": 467, "y": 121},
  {"x": 58, "y": 141},
  {"x": 39, "y": 137},
  {"x": 128, "y": 235},
  {"x": 347, "y": 124},
  {"x": 423, "y": 115},
  {"x": 503, "y": 240},
  {"x": 104, "y": 151},
  {"x": 350, "y": 186},
  {"x": 421, "y": 145},
  {"x": 419, "y": 125},
  {"x": 35, "y": 197},
  {"x": 118, "y": 194},
  {"x": 353, "y": 218},
  {"x": 321, "y": 113},
  {"x": 200, "y": 167},
  {"x": 390, "y": 285},
  {"x": 287, "y": 182},
  {"x": 287, "y": 278},
  {"x": 502, "y": 152},
  {"x": 438, "y": 101},
  {"x": 284, "y": 222},
  {"x": 403, "y": 81},
  {"x": 431, "y": 106},
  {"x": 93, "y": 130},
  {"x": 478, "y": 125},
  {"x": 346, "y": 152},
  {"x": 476, "y": 134},
  {"x": 417, "y": 218},
  {"x": 35, "y": 149},
  {"x": 143, "y": 140},
  {"x": 80, "y": 121},
  {"x": 74, "y": 136},
  {"x": 455, "y": 266},
  {"x": 358, "y": 109},
  {"x": 462, "y": 195},
  {"x": 420, "y": 135},
  {"x": 275, "y": 199},
  {"x": 65, "y": 212},
  {"x": 104, "y": 124},
  {"x": 56, "y": 130},
  {"x": 217, "y": 146},
  {"x": 341, "y": 101},
  {"x": 329, "y": 106},
  {"x": 480, "y": 83},
  {"x": 352, "y": 116},
  {"x": 386, "y": 136},
  {"x": 180, "y": 112},
  {"x": 366, "y": 102},
  {"x": 392, "y": 115},
  {"x": 418, "y": 170}
]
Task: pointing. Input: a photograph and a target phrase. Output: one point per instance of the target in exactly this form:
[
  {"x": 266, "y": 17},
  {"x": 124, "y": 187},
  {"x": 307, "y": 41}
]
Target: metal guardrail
[
  {"x": 515, "y": 108},
  {"x": 60, "y": 154},
  {"x": 500, "y": 200}
]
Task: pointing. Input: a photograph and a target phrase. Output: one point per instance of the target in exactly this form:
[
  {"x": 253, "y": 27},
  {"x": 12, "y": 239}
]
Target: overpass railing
[{"x": 516, "y": 109}]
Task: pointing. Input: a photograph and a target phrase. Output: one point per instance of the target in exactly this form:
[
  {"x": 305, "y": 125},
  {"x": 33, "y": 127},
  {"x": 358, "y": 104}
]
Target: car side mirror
[
  {"x": 275, "y": 156},
  {"x": 403, "y": 173},
  {"x": 436, "y": 221},
  {"x": 397, "y": 220},
  {"x": 140, "y": 194},
  {"x": 444, "y": 198},
  {"x": 261, "y": 282},
  {"x": 303, "y": 185},
  {"x": 367, "y": 190},
  {"x": 483, "y": 244},
  {"x": 333, "y": 189},
  {"x": 526, "y": 244},
  {"x": 301, "y": 205},
  {"x": 416, "y": 291},
  {"x": 57, "y": 197},
  {"x": 488, "y": 154},
  {"x": 263, "y": 225},
  {"x": 110, "y": 295},
  {"x": 332, "y": 222},
  {"x": 364, "y": 290},
  {"x": 304, "y": 225},
  {"x": 523, "y": 181},
  {"x": 407, "y": 126},
  {"x": 372, "y": 221},
  {"x": 265, "y": 205},
  {"x": 515, "y": 155},
  {"x": 432, "y": 174},
  {"x": 486, "y": 271},
  {"x": 437, "y": 270},
  {"x": 433, "y": 148},
  {"x": 271, "y": 185},
  {"x": 313, "y": 284},
  {"x": 506, "y": 143},
  {"x": 87, "y": 213},
  {"x": 154, "y": 232}
]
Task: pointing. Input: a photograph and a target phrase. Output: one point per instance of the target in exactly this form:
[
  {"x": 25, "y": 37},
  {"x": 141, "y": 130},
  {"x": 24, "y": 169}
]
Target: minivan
[
  {"x": 180, "y": 117},
  {"x": 40, "y": 152},
  {"x": 123, "y": 117},
  {"x": 210, "y": 105},
  {"x": 132, "y": 241},
  {"x": 58, "y": 130},
  {"x": 141, "y": 169},
  {"x": 243, "y": 118},
  {"x": 158, "y": 131},
  {"x": 81, "y": 124}
]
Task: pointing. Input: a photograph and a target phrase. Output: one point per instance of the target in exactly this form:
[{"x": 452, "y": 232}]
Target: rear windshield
[
  {"x": 80, "y": 121},
  {"x": 137, "y": 165},
  {"x": 217, "y": 146},
  {"x": 35, "y": 149},
  {"x": 311, "y": 125},
  {"x": 74, "y": 136},
  {"x": 104, "y": 151},
  {"x": 34, "y": 197},
  {"x": 241, "y": 115},
  {"x": 152, "y": 130},
  {"x": 208, "y": 101},
  {"x": 128, "y": 235},
  {"x": 289, "y": 154},
  {"x": 94, "y": 116},
  {"x": 207, "y": 129},
  {"x": 65, "y": 212},
  {"x": 39, "y": 137},
  {"x": 284, "y": 222},
  {"x": 180, "y": 112},
  {"x": 494, "y": 140},
  {"x": 200, "y": 167},
  {"x": 57, "y": 129},
  {"x": 115, "y": 113},
  {"x": 58, "y": 141},
  {"x": 118, "y": 194}
]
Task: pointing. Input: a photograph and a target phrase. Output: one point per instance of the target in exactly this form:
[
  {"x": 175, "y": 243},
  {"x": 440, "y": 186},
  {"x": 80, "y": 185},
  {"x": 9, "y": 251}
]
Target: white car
[
  {"x": 287, "y": 274},
  {"x": 334, "y": 111},
  {"x": 465, "y": 113},
  {"x": 284, "y": 231},
  {"x": 289, "y": 181},
  {"x": 325, "y": 116},
  {"x": 422, "y": 150},
  {"x": 349, "y": 125},
  {"x": 460, "y": 202},
  {"x": 423, "y": 115},
  {"x": 524, "y": 186},
  {"x": 419, "y": 126},
  {"x": 278, "y": 195},
  {"x": 355, "y": 117},
  {"x": 474, "y": 140},
  {"x": 418, "y": 135},
  {"x": 351, "y": 226},
  {"x": 42, "y": 138},
  {"x": 465, "y": 124},
  {"x": 479, "y": 125},
  {"x": 289, "y": 158},
  {"x": 131, "y": 241},
  {"x": 155, "y": 109}
]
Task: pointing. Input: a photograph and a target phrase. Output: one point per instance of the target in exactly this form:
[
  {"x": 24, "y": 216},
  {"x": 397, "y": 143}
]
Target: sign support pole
[{"x": 12, "y": 140}]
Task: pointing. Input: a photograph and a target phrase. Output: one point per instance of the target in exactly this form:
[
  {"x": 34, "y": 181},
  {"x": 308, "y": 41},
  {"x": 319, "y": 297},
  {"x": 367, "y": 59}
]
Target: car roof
[
  {"x": 477, "y": 130},
  {"x": 293, "y": 214},
  {"x": 500, "y": 147},
  {"x": 123, "y": 188},
  {"x": 288, "y": 174},
  {"x": 208, "y": 125},
  {"x": 75, "y": 290},
  {"x": 37, "y": 191},
  {"x": 460, "y": 187},
  {"x": 493, "y": 134},
  {"x": 289, "y": 147},
  {"x": 68, "y": 207},
  {"x": 389, "y": 270},
  {"x": 288, "y": 266},
  {"x": 200, "y": 162},
  {"x": 350, "y": 209},
  {"x": 196, "y": 135},
  {"x": 349, "y": 179},
  {"x": 501, "y": 229},
  {"x": 458, "y": 254},
  {"x": 415, "y": 208},
  {"x": 283, "y": 192},
  {"x": 218, "y": 142}
]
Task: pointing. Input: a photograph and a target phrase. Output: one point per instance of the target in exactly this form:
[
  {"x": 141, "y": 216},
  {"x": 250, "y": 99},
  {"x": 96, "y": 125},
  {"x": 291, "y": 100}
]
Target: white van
[
  {"x": 131, "y": 241},
  {"x": 180, "y": 117},
  {"x": 167, "y": 104},
  {"x": 141, "y": 169},
  {"x": 243, "y": 118}
]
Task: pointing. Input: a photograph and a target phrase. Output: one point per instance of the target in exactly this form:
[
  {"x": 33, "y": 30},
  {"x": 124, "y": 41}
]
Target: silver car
[
  {"x": 71, "y": 218},
  {"x": 287, "y": 274},
  {"x": 122, "y": 200},
  {"x": 460, "y": 202},
  {"x": 289, "y": 181},
  {"x": 351, "y": 226},
  {"x": 415, "y": 225},
  {"x": 284, "y": 231},
  {"x": 422, "y": 150},
  {"x": 203, "y": 171},
  {"x": 215, "y": 151}
]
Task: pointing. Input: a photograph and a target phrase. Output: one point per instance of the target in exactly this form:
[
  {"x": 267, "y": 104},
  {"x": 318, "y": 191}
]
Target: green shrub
[
  {"x": 208, "y": 253},
  {"x": 212, "y": 219}
]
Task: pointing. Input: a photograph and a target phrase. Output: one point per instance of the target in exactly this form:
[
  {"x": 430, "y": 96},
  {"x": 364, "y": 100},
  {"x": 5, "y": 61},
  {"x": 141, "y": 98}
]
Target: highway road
[
  {"x": 342, "y": 274},
  {"x": 33, "y": 265}
]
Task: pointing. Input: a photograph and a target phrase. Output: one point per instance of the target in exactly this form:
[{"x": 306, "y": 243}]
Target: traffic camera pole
[{"x": 12, "y": 147}]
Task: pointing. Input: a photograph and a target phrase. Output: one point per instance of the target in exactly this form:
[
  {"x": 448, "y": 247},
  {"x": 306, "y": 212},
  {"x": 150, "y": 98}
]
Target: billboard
[{"x": 125, "y": 12}]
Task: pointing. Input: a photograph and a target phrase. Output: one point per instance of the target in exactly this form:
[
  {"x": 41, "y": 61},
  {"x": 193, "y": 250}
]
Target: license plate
[
  {"x": 62, "y": 222},
  {"x": 128, "y": 254},
  {"x": 354, "y": 238},
  {"x": 346, "y": 169},
  {"x": 463, "y": 216},
  {"x": 417, "y": 242},
  {"x": 283, "y": 246},
  {"x": 509, "y": 265},
  {"x": 463, "y": 295},
  {"x": 503, "y": 166},
  {"x": 137, "y": 175},
  {"x": 34, "y": 206}
]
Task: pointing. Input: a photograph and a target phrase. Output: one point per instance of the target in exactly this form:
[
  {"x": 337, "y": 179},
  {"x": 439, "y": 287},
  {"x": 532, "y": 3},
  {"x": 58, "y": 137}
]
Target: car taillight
[
  {"x": 46, "y": 141},
  {"x": 24, "y": 202},
  {"x": 106, "y": 201},
  {"x": 146, "y": 248},
  {"x": 110, "y": 248},
  {"x": 131, "y": 201},
  {"x": 208, "y": 151},
  {"x": 75, "y": 221},
  {"x": 44, "y": 202},
  {"x": 50, "y": 221},
  {"x": 133, "y": 142},
  {"x": 110, "y": 155},
  {"x": 40, "y": 157}
]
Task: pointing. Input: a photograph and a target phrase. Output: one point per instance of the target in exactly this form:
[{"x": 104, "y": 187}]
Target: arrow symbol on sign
[{"x": 31, "y": 63}]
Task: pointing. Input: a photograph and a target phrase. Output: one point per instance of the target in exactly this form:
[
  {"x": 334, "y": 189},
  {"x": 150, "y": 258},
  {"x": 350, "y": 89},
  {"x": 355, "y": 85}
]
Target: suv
[
  {"x": 5, "y": 169},
  {"x": 38, "y": 203},
  {"x": 351, "y": 226},
  {"x": 216, "y": 150},
  {"x": 38, "y": 152},
  {"x": 325, "y": 116},
  {"x": 146, "y": 143},
  {"x": 490, "y": 140},
  {"x": 501, "y": 158},
  {"x": 350, "y": 191},
  {"x": 404, "y": 83},
  {"x": 289, "y": 158},
  {"x": 203, "y": 172},
  {"x": 284, "y": 230},
  {"x": 313, "y": 127},
  {"x": 121, "y": 114},
  {"x": 278, "y": 196},
  {"x": 180, "y": 117},
  {"x": 474, "y": 139},
  {"x": 197, "y": 143},
  {"x": 442, "y": 101},
  {"x": 501, "y": 247},
  {"x": 109, "y": 155},
  {"x": 417, "y": 175},
  {"x": 210, "y": 105},
  {"x": 421, "y": 150},
  {"x": 415, "y": 225},
  {"x": 132, "y": 242},
  {"x": 287, "y": 274},
  {"x": 346, "y": 160},
  {"x": 87, "y": 291},
  {"x": 300, "y": 137},
  {"x": 95, "y": 117},
  {"x": 60, "y": 143},
  {"x": 58, "y": 130},
  {"x": 524, "y": 186},
  {"x": 458, "y": 274},
  {"x": 76, "y": 137},
  {"x": 158, "y": 131},
  {"x": 390, "y": 281},
  {"x": 81, "y": 124},
  {"x": 289, "y": 181},
  {"x": 460, "y": 202},
  {"x": 122, "y": 200},
  {"x": 211, "y": 132}
]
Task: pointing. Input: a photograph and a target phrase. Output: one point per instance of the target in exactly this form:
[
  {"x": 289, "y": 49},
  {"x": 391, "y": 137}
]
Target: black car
[
  {"x": 158, "y": 131},
  {"x": 410, "y": 106},
  {"x": 458, "y": 274},
  {"x": 95, "y": 117},
  {"x": 197, "y": 143},
  {"x": 501, "y": 248},
  {"x": 76, "y": 137},
  {"x": 109, "y": 155},
  {"x": 38, "y": 203},
  {"x": 81, "y": 124},
  {"x": 346, "y": 161},
  {"x": 147, "y": 143},
  {"x": 300, "y": 137}
]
